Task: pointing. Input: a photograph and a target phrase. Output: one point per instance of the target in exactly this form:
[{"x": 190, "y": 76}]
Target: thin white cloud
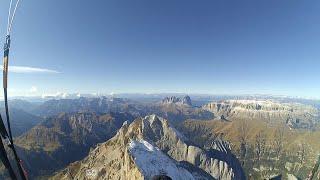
[{"x": 26, "y": 69}]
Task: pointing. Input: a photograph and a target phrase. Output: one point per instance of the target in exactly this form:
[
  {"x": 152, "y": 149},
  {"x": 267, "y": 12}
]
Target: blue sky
[{"x": 147, "y": 46}]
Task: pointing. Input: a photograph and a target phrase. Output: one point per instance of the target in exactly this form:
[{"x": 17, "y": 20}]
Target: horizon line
[{"x": 60, "y": 94}]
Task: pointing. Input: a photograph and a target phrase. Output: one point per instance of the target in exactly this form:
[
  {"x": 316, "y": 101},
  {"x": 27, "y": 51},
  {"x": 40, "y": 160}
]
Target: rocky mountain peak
[
  {"x": 150, "y": 147},
  {"x": 186, "y": 100}
]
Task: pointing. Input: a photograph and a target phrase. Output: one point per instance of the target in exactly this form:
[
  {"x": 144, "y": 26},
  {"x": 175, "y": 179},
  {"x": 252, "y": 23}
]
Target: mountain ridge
[
  {"x": 65, "y": 138},
  {"x": 107, "y": 163},
  {"x": 294, "y": 115}
]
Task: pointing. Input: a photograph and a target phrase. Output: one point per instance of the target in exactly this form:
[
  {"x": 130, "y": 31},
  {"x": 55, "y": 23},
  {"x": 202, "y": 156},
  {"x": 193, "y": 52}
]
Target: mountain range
[{"x": 202, "y": 141}]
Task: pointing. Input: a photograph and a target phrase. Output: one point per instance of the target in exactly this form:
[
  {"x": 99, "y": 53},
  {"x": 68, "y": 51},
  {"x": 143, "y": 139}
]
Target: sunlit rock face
[{"x": 294, "y": 115}]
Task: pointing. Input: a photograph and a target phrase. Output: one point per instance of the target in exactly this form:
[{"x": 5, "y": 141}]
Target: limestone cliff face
[
  {"x": 168, "y": 139},
  {"x": 294, "y": 115},
  {"x": 145, "y": 141}
]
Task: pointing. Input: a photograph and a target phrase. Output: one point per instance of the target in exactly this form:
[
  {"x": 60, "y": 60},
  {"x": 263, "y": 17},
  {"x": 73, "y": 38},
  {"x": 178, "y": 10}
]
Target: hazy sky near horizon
[{"x": 148, "y": 46}]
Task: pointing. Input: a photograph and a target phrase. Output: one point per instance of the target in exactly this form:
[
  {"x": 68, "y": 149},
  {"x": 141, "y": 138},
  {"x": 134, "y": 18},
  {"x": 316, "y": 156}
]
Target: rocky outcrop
[
  {"x": 146, "y": 148},
  {"x": 292, "y": 114}
]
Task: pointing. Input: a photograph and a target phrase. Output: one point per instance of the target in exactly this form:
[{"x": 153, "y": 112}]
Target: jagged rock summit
[
  {"x": 151, "y": 147},
  {"x": 186, "y": 100}
]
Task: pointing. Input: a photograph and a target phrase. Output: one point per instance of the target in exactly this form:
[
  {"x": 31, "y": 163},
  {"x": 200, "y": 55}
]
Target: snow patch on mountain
[{"x": 151, "y": 161}]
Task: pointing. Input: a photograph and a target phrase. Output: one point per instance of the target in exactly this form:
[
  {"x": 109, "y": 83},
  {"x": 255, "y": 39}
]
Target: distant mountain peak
[{"x": 186, "y": 100}]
